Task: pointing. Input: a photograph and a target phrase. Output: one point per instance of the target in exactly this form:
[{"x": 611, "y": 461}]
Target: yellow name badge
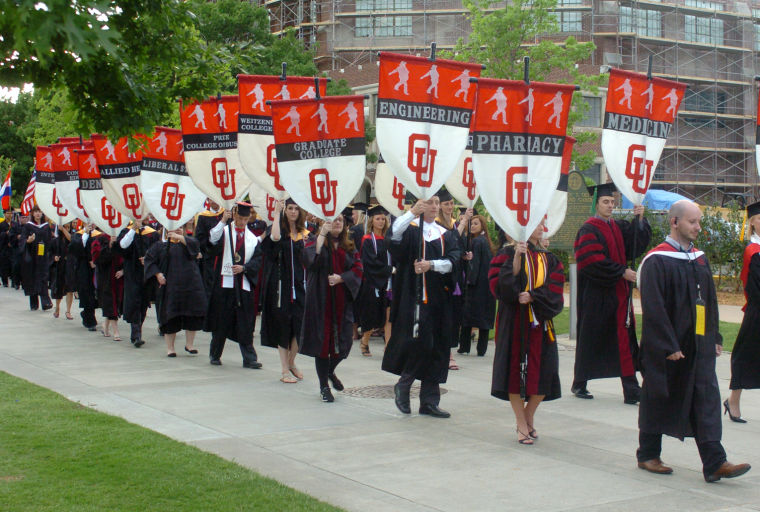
[
  {"x": 700, "y": 319},
  {"x": 40, "y": 249}
]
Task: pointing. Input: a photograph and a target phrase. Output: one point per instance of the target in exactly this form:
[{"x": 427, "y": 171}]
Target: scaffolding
[{"x": 711, "y": 45}]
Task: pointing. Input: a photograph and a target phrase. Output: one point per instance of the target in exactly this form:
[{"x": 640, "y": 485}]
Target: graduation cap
[
  {"x": 362, "y": 207},
  {"x": 444, "y": 195},
  {"x": 347, "y": 211},
  {"x": 377, "y": 210},
  {"x": 243, "y": 209},
  {"x": 290, "y": 201},
  {"x": 753, "y": 209},
  {"x": 605, "y": 189}
]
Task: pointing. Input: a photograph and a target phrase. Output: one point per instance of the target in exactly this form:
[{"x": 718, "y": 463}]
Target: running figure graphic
[
  {"x": 353, "y": 114},
  {"x": 557, "y": 103},
  {"x": 200, "y": 116},
  {"x": 403, "y": 77},
  {"x": 650, "y": 96},
  {"x": 433, "y": 74},
  {"x": 48, "y": 160},
  {"x": 529, "y": 100},
  {"x": 322, "y": 113},
  {"x": 125, "y": 147},
  {"x": 66, "y": 154},
  {"x": 310, "y": 94},
  {"x": 161, "y": 139},
  {"x": 464, "y": 84},
  {"x": 501, "y": 105},
  {"x": 109, "y": 147},
  {"x": 258, "y": 98},
  {"x": 295, "y": 120},
  {"x": 627, "y": 92},
  {"x": 284, "y": 93},
  {"x": 181, "y": 144},
  {"x": 673, "y": 97},
  {"x": 92, "y": 163},
  {"x": 222, "y": 113}
]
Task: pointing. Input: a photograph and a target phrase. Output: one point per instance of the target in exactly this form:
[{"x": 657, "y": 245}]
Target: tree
[
  {"x": 16, "y": 153},
  {"x": 500, "y": 38}
]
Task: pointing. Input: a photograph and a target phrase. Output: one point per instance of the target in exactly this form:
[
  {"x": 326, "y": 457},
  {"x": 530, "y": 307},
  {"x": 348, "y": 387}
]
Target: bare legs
[
  {"x": 69, "y": 302},
  {"x": 365, "y": 343},
  {"x": 189, "y": 340},
  {"x": 524, "y": 414},
  {"x": 733, "y": 403},
  {"x": 288, "y": 363},
  {"x": 387, "y": 327},
  {"x": 170, "y": 342}
]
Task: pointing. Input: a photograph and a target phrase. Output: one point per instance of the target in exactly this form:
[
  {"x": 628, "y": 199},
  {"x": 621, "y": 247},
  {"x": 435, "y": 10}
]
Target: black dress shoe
[
  {"x": 92, "y": 329},
  {"x": 171, "y": 354},
  {"x": 582, "y": 393},
  {"x": 632, "y": 400},
  {"x": 337, "y": 384},
  {"x": 191, "y": 350},
  {"x": 138, "y": 343},
  {"x": 215, "y": 362},
  {"x": 434, "y": 411},
  {"x": 327, "y": 395},
  {"x": 402, "y": 401},
  {"x": 253, "y": 366}
]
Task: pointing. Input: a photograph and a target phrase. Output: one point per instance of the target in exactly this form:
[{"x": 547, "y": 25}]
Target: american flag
[{"x": 29, "y": 202}]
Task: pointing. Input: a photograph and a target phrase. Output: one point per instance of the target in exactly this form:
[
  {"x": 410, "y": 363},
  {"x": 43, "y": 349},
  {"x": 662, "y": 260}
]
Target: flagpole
[{"x": 524, "y": 325}]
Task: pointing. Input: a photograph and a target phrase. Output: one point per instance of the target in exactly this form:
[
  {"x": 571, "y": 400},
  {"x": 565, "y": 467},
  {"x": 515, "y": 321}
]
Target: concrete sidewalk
[{"x": 360, "y": 453}]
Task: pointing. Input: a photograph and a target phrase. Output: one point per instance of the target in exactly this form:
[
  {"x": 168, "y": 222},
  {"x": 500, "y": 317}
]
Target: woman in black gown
[
  {"x": 63, "y": 270},
  {"x": 35, "y": 261}
]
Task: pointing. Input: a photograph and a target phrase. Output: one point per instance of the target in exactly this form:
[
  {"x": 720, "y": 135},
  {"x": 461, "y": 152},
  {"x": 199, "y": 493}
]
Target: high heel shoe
[{"x": 737, "y": 419}]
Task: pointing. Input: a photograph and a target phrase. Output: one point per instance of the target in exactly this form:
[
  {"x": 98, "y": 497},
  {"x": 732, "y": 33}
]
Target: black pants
[
  {"x": 34, "y": 301},
  {"x": 325, "y": 367},
  {"x": 465, "y": 339},
  {"x": 631, "y": 388},
  {"x": 218, "y": 340},
  {"x": 430, "y": 392},
  {"x": 711, "y": 452},
  {"x": 136, "y": 328},
  {"x": 88, "y": 317}
]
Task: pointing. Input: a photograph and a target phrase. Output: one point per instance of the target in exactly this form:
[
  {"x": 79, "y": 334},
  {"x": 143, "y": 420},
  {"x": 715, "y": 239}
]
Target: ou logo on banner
[
  {"x": 223, "y": 177},
  {"x": 59, "y": 209},
  {"x": 270, "y": 207},
  {"x": 272, "y": 169},
  {"x": 638, "y": 169},
  {"x": 518, "y": 194},
  {"x": 323, "y": 191},
  {"x": 131, "y": 195},
  {"x": 398, "y": 193},
  {"x": 421, "y": 159},
  {"x": 468, "y": 179},
  {"x": 79, "y": 201},
  {"x": 172, "y": 201},
  {"x": 110, "y": 214}
]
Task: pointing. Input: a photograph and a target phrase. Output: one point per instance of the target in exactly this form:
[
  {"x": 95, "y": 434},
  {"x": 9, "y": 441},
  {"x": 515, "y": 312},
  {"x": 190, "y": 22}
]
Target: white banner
[
  {"x": 44, "y": 190},
  {"x": 67, "y": 177},
  {"x": 99, "y": 209},
  {"x": 120, "y": 175},
  {"x": 389, "y": 191}
]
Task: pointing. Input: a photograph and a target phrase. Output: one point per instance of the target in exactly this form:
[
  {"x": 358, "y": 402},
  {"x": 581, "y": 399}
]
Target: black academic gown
[
  {"x": 372, "y": 300},
  {"x": 59, "y": 279},
  {"x": 678, "y": 398},
  {"x": 138, "y": 293},
  {"x": 206, "y": 221},
  {"x": 283, "y": 290},
  {"x": 110, "y": 289},
  {"x": 82, "y": 254},
  {"x": 5, "y": 257},
  {"x": 427, "y": 357},
  {"x": 224, "y": 314},
  {"x": 548, "y": 300},
  {"x": 183, "y": 294},
  {"x": 745, "y": 357},
  {"x": 356, "y": 233},
  {"x": 317, "y": 337},
  {"x": 479, "y": 303},
  {"x": 35, "y": 265},
  {"x": 456, "y": 290},
  {"x": 605, "y": 347}
]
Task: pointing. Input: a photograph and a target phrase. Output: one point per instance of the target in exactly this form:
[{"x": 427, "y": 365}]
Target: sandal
[
  {"x": 106, "y": 334},
  {"x": 365, "y": 351},
  {"x": 287, "y": 378},
  {"x": 453, "y": 364},
  {"x": 56, "y": 314},
  {"x": 117, "y": 337},
  {"x": 296, "y": 372},
  {"x": 532, "y": 432},
  {"x": 525, "y": 439},
  {"x": 68, "y": 316}
]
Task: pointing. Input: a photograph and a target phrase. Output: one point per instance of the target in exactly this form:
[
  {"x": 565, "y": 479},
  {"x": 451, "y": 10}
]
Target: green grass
[
  {"x": 729, "y": 330},
  {"x": 56, "y": 455}
]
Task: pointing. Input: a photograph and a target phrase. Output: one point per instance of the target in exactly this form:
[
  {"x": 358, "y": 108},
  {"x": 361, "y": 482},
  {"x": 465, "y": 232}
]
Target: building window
[
  {"x": 564, "y": 3},
  {"x": 569, "y": 21},
  {"x": 713, "y": 102},
  {"x": 702, "y": 4},
  {"x": 593, "y": 116},
  {"x": 383, "y": 25},
  {"x": 703, "y": 30},
  {"x": 645, "y": 22},
  {"x": 757, "y": 37}
]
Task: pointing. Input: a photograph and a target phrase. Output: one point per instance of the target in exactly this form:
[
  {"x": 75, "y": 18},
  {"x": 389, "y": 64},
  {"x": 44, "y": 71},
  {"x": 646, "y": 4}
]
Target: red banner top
[
  {"x": 166, "y": 144},
  {"x": 64, "y": 140},
  {"x": 109, "y": 153},
  {"x": 43, "y": 159},
  {"x": 64, "y": 158},
  {"x": 567, "y": 155},
  {"x": 420, "y": 80},
  {"x": 333, "y": 117},
  {"x": 215, "y": 115},
  {"x": 633, "y": 94},
  {"x": 516, "y": 107},
  {"x": 256, "y": 90},
  {"x": 88, "y": 165}
]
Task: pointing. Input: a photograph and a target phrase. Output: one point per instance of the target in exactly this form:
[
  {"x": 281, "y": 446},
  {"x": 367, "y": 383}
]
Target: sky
[{"x": 11, "y": 93}]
